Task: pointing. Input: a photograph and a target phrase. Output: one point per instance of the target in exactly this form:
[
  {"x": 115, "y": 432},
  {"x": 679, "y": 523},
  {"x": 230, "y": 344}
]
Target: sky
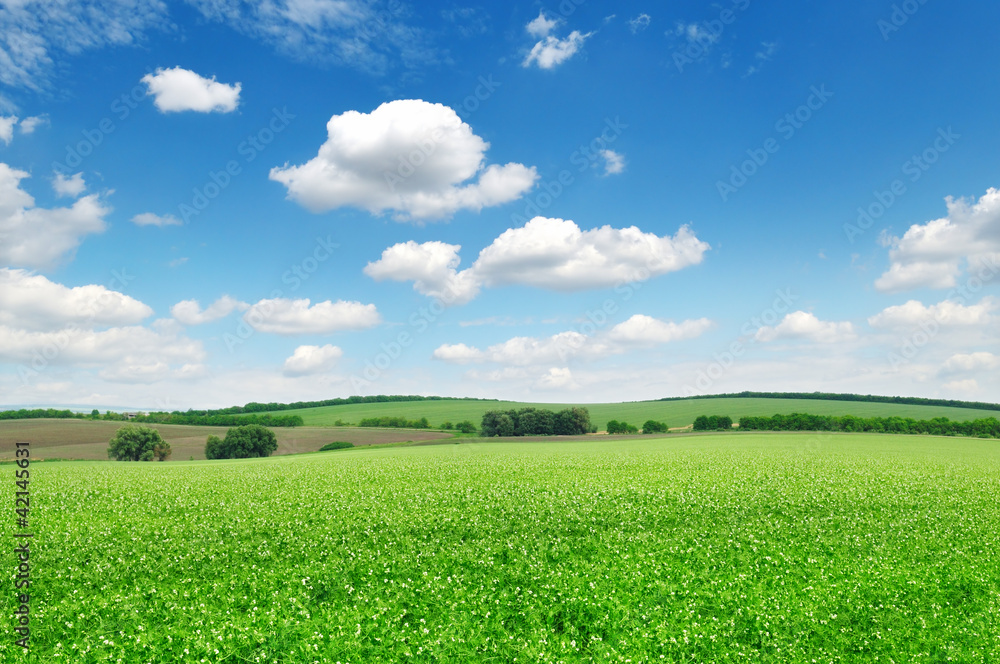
[{"x": 212, "y": 202}]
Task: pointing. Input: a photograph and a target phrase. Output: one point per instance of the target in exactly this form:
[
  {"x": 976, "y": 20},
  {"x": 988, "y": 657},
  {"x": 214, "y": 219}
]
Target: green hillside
[{"x": 674, "y": 413}]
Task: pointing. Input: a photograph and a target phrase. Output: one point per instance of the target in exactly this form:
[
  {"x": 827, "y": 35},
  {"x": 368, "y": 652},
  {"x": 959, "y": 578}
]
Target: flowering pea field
[{"x": 742, "y": 547}]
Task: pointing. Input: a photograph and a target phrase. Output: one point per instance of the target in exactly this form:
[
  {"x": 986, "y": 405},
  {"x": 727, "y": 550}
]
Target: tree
[
  {"x": 465, "y": 426},
  {"x": 95, "y": 414},
  {"x": 572, "y": 422},
  {"x": 652, "y": 426},
  {"x": 242, "y": 442},
  {"x": 134, "y": 442}
]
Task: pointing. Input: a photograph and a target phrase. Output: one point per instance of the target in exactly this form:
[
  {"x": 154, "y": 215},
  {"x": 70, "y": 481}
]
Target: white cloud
[
  {"x": 178, "y": 89},
  {"x": 541, "y": 26},
  {"x": 966, "y": 386},
  {"x": 972, "y": 362},
  {"x": 557, "y": 378},
  {"x": 552, "y": 51},
  {"x": 804, "y": 325},
  {"x": 695, "y": 33},
  {"x": 128, "y": 349},
  {"x": 189, "y": 312},
  {"x": 432, "y": 266},
  {"x": 71, "y": 186},
  {"x": 637, "y": 331},
  {"x": 545, "y": 253},
  {"x": 36, "y": 35},
  {"x": 932, "y": 255},
  {"x": 29, "y": 125},
  {"x": 641, "y": 329},
  {"x": 413, "y": 158},
  {"x": 7, "y": 128},
  {"x": 639, "y": 23},
  {"x": 289, "y": 317},
  {"x": 150, "y": 219},
  {"x": 768, "y": 49},
  {"x": 32, "y": 302},
  {"x": 353, "y": 33},
  {"x": 947, "y": 312},
  {"x": 458, "y": 354},
  {"x": 614, "y": 162},
  {"x": 39, "y": 237},
  {"x": 308, "y": 360}
]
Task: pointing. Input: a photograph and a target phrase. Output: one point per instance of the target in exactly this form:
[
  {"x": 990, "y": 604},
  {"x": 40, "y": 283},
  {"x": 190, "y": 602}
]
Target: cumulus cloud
[
  {"x": 32, "y": 302},
  {"x": 964, "y": 362},
  {"x": 189, "y": 312},
  {"x": 432, "y": 266},
  {"x": 646, "y": 330},
  {"x": 614, "y": 162},
  {"x": 71, "y": 186},
  {"x": 308, "y": 360},
  {"x": 178, "y": 89},
  {"x": 7, "y": 128},
  {"x": 289, "y": 317},
  {"x": 557, "y": 378},
  {"x": 637, "y": 331},
  {"x": 150, "y": 219},
  {"x": 541, "y": 26},
  {"x": 415, "y": 159},
  {"x": 804, "y": 325},
  {"x": 932, "y": 255},
  {"x": 551, "y": 52},
  {"x": 36, "y": 36},
  {"x": 130, "y": 354},
  {"x": 39, "y": 237},
  {"x": 29, "y": 125},
  {"x": 639, "y": 23},
  {"x": 553, "y": 254},
  {"x": 947, "y": 312},
  {"x": 966, "y": 386}
]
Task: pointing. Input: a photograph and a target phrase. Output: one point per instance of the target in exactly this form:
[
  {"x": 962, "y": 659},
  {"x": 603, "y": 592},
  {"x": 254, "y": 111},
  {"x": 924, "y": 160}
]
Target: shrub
[
  {"x": 336, "y": 445},
  {"x": 242, "y": 442},
  {"x": 133, "y": 442},
  {"x": 652, "y": 426},
  {"x": 465, "y": 426}
]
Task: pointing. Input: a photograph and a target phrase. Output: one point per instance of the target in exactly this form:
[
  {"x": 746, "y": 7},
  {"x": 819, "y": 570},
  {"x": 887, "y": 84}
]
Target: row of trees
[
  {"x": 242, "y": 442},
  {"x": 650, "y": 426},
  {"x": 394, "y": 422},
  {"x": 536, "y": 422},
  {"x": 465, "y": 426},
  {"x": 266, "y": 419},
  {"x": 256, "y": 407},
  {"x": 830, "y": 396},
  {"x": 713, "y": 423},
  {"x": 988, "y": 427}
]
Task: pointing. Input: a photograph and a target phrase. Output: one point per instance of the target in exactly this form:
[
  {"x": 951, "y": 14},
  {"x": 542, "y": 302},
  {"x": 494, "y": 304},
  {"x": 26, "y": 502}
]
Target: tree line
[
  {"x": 988, "y": 427},
  {"x": 536, "y": 422},
  {"x": 830, "y": 396},
  {"x": 176, "y": 417}
]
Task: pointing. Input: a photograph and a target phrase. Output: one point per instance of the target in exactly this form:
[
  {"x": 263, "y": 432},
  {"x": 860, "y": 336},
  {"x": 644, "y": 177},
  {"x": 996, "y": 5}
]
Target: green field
[
  {"x": 674, "y": 413},
  {"x": 739, "y": 547}
]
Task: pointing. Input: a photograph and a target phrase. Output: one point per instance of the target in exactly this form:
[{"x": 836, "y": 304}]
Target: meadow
[
  {"x": 679, "y": 413},
  {"x": 732, "y": 547}
]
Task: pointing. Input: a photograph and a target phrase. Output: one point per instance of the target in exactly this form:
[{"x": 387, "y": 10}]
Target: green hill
[{"x": 677, "y": 413}]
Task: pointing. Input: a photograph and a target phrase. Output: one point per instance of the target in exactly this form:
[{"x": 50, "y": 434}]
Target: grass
[
  {"x": 740, "y": 547},
  {"x": 88, "y": 440},
  {"x": 674, "y": 413}
]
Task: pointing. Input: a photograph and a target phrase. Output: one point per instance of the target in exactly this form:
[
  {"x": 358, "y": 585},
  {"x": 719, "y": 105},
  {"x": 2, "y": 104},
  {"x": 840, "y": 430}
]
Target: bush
[
  {"x": 465, "y": 426},
  {"x": 242, "y": 442},
  {"x": 652, "y": 426},
  {"x": 614, "y": 426},
  {"x": 713, "y": 423},
  {"x": 133, "y": 442},
  {"x": 447, "y": 426},
  {"x": 336, "y": 445}
]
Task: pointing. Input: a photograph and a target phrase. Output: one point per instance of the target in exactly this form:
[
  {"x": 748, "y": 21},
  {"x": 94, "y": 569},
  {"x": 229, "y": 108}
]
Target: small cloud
[
  {"x": 822, "y": 254},
  {"x": 69, "y": 186},
  {"x": 178, "y": 89},
  {"x": 29, "y": 125},
  {"x": 177, "y": 261},
  {"x": 768, "y": 49},
  {"x": 614, "y": 162},
  {"x": 189, "y": 312},
  {"x": 541, "y": 26},
  {"x": 552, "y": 51},
  {"x": 308, "y": 360},
  {"x": 557, "y": 378},
  {"x": 804, "y": 325},
  {"x": 967, "y": 386},
  {"x": 7, "y": 128},
  {"x": 150, "y": 219},
  {"x": 639, "y": 23}
]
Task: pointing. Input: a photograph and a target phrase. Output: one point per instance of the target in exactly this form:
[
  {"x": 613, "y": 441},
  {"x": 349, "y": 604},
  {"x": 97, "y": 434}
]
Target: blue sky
[{"x": 208, "y": 203}]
